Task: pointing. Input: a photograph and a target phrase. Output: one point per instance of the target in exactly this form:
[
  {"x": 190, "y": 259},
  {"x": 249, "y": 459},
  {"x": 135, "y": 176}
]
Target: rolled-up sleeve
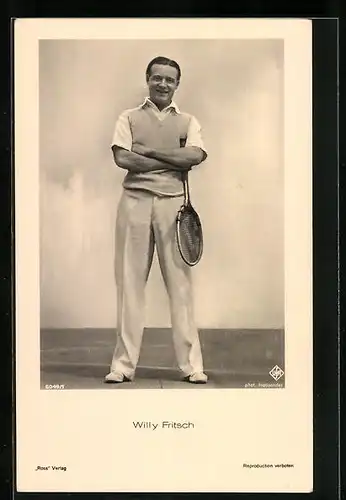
[
  {"x": 194, "y": 135},
  {"x": 122, "y": 136}
]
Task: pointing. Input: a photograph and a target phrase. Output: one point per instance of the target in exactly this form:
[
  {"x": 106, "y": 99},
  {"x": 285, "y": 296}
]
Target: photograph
[
  {"x": 163, "y": 206},
  {"x": 129, "y": 291}
]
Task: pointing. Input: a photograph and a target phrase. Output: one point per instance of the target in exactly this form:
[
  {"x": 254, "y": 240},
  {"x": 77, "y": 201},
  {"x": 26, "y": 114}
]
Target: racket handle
[{"x": 185, "y": 179}]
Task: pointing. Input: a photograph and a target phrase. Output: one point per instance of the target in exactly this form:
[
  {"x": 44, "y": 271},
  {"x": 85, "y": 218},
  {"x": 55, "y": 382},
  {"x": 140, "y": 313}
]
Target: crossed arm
[{"x": 144, "y": 159}]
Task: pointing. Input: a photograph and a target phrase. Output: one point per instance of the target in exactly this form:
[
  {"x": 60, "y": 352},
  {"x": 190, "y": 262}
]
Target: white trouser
[{"x": 143, "y": 221}]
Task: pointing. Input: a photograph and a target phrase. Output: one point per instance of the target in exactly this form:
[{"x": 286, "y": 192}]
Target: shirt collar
[{"x": 149, "y": 102}]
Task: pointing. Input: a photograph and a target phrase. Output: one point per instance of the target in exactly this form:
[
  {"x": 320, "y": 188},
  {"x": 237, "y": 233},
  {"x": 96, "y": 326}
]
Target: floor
[{"x": 80, "y": 358}]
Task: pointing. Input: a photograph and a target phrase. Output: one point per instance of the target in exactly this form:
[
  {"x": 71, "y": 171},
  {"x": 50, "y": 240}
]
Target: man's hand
[{"x": 141, "y": 150}]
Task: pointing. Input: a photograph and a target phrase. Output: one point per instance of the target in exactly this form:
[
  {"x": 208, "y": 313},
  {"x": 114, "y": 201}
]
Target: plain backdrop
[{"x": 235, "y": 89}]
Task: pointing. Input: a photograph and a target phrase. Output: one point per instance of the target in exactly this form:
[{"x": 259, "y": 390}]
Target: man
[{"x": 155, "y": 143}]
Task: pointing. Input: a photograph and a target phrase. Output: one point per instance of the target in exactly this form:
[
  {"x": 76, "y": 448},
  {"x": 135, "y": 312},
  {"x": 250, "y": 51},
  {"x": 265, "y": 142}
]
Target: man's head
[{"x": 163, "y": 77}]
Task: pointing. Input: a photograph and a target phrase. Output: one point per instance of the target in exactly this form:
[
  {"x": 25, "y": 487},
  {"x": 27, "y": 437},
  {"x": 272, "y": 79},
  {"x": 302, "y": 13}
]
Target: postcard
[{"x": 163, "y": 207}]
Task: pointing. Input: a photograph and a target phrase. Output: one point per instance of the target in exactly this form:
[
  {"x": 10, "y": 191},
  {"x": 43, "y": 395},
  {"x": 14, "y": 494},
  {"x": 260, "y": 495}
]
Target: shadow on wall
[{"x": 235, "y": 90}]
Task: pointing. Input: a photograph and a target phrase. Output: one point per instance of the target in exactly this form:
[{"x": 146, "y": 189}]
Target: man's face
[{"x": 162, "y": 83}]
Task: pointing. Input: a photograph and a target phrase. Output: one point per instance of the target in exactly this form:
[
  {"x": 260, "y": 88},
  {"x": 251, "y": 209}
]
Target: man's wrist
[
  {"x": 142, "y": 150},
  {"x": 150, "y": 152}
]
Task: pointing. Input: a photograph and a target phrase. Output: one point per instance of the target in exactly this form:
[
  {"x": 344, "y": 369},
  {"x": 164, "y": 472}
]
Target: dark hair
[{"x": 164, "y": 61}]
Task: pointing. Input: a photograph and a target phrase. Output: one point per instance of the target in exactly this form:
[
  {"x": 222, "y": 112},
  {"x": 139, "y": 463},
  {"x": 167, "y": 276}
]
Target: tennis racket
[{"x": 189, "y": 229}]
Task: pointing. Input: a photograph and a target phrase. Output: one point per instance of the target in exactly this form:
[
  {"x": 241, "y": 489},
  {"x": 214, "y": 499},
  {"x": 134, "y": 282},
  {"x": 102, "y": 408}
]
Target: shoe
[
  {"x": 197, "y": 378},
  {"x": 116, "y": 378}
]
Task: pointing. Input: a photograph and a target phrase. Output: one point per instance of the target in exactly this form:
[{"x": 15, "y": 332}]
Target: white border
[{"x": 90, "y": 431}]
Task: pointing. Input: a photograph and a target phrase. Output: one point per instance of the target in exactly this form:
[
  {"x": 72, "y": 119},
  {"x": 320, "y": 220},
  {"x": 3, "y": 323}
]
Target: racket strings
[{"x": 190, "y": 234}]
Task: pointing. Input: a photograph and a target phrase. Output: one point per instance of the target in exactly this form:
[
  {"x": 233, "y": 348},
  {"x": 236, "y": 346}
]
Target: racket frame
[{"x": 187, "y": 205}]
